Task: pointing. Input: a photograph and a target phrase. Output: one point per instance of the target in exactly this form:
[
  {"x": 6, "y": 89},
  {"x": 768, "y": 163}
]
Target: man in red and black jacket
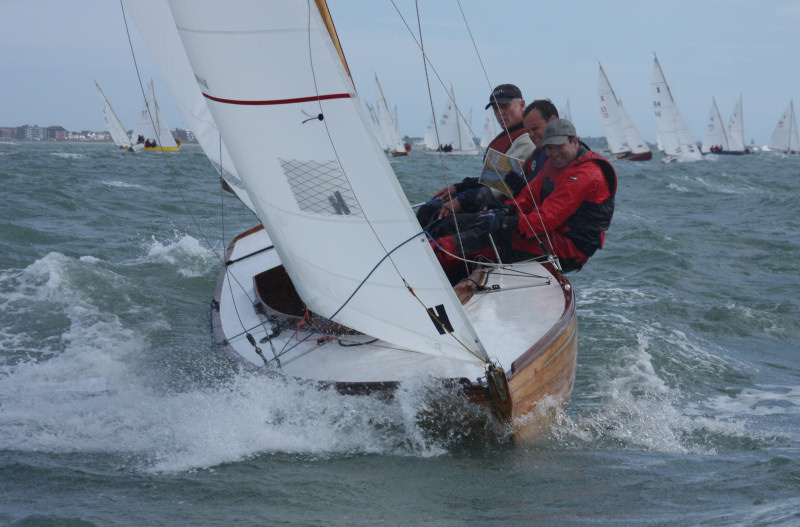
[
  {"x": 564, "y": 211},
  {"x": 508, "y": 105}
]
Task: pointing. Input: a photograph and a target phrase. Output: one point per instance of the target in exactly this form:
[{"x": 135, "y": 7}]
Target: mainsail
[
  {"x": 736, "y": 128},
  {"x": 151, "y": 124},
  {"x": 716, "y": 131},
  {"x": 118, "y": 133},
  {"x": 332, "y": 206},
  {"x": 621, "y": 134},
  {"x": 673, "y": 134},
  {"x": 387, "y": 121},
  {"x": 454, "y": 129},
  {"x": 784, "y": 138},
  {"x": 609, "y": 113}
]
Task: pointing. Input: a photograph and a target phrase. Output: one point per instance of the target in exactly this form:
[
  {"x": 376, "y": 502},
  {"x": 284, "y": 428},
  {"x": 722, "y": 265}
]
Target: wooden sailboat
[
  {"x": 338, "y": 286},
  {"x": 674, "y": 137},
  {"x": 115, "y": 127},
  {"x": 624, "y": 140},
  {"x": 784, "y": 137}
]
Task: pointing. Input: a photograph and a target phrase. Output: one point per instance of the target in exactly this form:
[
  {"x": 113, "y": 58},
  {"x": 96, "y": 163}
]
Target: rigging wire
[{"x": 171, "y": 170}]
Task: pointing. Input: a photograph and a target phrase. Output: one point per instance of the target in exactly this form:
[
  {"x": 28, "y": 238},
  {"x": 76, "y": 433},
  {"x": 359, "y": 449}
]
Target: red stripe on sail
[{"x": 279, "y": 101}]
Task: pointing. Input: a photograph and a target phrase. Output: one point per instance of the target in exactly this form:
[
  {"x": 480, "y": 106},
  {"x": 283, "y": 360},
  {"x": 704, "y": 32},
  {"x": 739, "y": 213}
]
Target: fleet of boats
[{"x": 337, "y": 286}]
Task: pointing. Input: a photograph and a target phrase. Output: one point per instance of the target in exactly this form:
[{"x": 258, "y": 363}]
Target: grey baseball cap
[{"x": 557, "y": 131}]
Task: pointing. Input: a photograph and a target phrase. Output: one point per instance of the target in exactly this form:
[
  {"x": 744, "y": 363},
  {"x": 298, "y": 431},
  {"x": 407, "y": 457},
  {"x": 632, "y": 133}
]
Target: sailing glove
[{"x": 494, "y": 220}]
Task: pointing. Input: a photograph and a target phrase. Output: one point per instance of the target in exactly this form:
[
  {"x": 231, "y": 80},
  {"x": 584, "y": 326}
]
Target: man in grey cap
[
  {"x": 563, "y": 212},
  {"x": 508, "y": 105}
]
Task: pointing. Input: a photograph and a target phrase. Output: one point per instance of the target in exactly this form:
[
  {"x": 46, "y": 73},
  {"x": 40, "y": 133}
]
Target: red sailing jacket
[{"x": 577, "y": 201}]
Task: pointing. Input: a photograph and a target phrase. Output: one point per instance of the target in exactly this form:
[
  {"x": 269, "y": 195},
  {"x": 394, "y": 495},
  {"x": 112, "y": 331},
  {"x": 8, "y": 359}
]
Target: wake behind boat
[{"x": 338, "y": 285}]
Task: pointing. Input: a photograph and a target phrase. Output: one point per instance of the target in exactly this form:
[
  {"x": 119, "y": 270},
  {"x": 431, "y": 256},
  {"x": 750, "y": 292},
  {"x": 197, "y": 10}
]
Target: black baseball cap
[{"x": 503, "y": 94}]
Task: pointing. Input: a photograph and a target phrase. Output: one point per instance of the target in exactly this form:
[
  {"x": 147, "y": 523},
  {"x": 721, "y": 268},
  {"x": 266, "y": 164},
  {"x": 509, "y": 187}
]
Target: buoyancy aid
[{"x": 585, "y": 227}]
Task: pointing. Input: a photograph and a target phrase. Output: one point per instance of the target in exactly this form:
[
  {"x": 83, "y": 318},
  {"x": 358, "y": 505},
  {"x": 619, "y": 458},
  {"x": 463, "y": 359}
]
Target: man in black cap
[
  {"x": 508, "y": 105},
  {"x": 564, "y": 211}
]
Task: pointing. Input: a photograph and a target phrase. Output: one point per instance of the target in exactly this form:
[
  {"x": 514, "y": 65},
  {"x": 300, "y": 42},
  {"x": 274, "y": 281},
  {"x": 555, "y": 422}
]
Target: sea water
[{"x": 116, "y": 408}]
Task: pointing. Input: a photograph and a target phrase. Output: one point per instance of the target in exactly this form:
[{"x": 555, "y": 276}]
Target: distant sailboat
[
  {"x": 429, "y": 141},
  {"x": 489, "y": 130},
  {"x": 673, "y": 134},
  {"x": 736, "y": 128},
  {"x": 624, "y": 140},
  {"x": 566, "y": 112},
  {"x": 454, "y": 129},
  {"x": 388, "y": 124},
  {"x": 151, "y": 128},
  {"x": 784, "y": 138},
  {"x": 118, "y": 133},
  {"x": 717, "y": 139}
]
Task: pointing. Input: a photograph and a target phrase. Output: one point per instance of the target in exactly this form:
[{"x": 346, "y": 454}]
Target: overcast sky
[{"x": 53, "y": 50}]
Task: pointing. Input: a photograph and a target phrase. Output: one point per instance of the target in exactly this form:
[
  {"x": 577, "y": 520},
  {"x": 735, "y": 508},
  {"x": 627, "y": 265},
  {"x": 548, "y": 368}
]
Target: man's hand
[
  {"x": 451, "y": 207},
  {"x": 445, "y": 193},
  {"x": 490, "y": 220},
  {"x": 494, "y": 220}
]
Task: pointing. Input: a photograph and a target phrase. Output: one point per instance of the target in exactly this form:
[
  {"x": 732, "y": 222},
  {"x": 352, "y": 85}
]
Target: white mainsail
[
  {"x": 489, "y": 130},
  {"x": 736, "y": 128},
  {"x": 153, "y": 20},
  {"x": 429, "y": 140},
  {"x": 332, "y": 206},
  {"x": 621, "y": 134},
  {"x": 634, "y": 139},
  {"x": 566, "y": 112},
  {"x": 673, "y": 134},
  {"x": 784, "y": 138},
  {"x": 454, "y": 128},
  {"x": 387, "y": 121},
  {"x": 151, "y": 124},
  {"x": 716, "y": 131},
  {"x": 118, "y": 133},
  {"x": 609, "y": 113}
]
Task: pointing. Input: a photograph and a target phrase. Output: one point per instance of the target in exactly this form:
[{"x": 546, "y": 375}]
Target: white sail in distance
[
  {"x": 784, "y": 137},
  {"x": 716, "y": 130},
  {"x": 115, "y": 128},
  {"x": 387, "y": 121},
  {"x": 736, "y": 128},
  {"x": 151, "y": 124},
  {"x": 673, "y": 134},
  {"x": 326, "y": 194}
]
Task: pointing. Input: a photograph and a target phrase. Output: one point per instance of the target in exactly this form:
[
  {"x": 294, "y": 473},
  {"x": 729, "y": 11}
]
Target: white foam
[
  {"x": 67, "y": 155},
  {"x": 192, "y": 258}
]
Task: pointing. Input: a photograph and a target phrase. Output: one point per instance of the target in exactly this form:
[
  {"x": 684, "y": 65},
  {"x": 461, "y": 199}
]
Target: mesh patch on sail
[{"x": 321, "y": 188}]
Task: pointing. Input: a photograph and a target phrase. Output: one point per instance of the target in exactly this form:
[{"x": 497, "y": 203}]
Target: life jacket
[
  {"x": 502, "y": 143},
  {"x": 587, "y": 224}
]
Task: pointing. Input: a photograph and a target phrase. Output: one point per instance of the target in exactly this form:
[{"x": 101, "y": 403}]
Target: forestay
[{"x": 282, "y": 98}]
